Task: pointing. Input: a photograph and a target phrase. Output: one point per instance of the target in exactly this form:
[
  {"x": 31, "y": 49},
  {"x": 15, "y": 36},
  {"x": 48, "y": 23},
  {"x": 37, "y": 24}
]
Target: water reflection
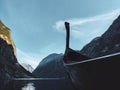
[{"x": 29, "y": 86}]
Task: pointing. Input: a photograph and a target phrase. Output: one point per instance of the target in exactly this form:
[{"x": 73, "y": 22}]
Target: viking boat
[{"x": 101, "y": 73}]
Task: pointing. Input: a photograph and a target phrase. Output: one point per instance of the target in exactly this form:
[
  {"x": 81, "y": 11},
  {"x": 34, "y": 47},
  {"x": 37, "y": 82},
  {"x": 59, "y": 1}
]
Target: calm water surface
[{"x": 40, "y": 84}]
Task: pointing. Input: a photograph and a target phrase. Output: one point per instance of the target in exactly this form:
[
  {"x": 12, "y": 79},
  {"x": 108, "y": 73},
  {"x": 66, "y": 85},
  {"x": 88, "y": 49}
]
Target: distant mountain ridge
[
  {"x": 52, "y": 67},
  {"x": 27, "y": 67},
  {"x": 51, "y": 64},
  {"x": 108, "y": 43}
]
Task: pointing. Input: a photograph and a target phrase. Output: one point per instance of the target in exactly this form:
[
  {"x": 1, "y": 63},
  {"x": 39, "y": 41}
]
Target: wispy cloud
[
  {"x": 96, "y": 24},
  {"x": 32, "y": 59}
]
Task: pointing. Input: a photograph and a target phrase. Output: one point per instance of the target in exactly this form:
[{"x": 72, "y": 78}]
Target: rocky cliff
[
  {"x": 107, "y": 43},
  {"x": 5, "y": 34},
  {"x": 9, "y": 66}
]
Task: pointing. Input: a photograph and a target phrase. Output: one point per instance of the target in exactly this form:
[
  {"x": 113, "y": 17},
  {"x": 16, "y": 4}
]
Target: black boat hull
[{"x": 96, "y": 74}]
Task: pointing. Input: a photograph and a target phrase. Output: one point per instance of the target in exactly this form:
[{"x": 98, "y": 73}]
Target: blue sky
[{"x": 37, "y": 25}]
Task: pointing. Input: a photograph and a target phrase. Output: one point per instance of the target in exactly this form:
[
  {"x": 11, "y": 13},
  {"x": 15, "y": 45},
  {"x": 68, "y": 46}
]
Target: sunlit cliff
[{"x": 5, "y": 33}]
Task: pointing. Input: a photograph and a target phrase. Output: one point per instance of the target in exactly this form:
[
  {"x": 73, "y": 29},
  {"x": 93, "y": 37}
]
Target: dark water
[{"x": 55, "y": 84}]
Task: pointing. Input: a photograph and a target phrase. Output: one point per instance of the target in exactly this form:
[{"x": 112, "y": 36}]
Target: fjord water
[{"x": 38, "y": 84}]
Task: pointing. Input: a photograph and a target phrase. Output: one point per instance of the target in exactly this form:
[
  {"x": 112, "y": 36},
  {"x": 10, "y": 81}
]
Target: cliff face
[
  {"x": 8, "y": 62},
  {"x": 108, "y": 43},
  {"x": 7, "y": 51},
  {"x": 5, "y": 34},
  {"x": 9, "y": 66}
]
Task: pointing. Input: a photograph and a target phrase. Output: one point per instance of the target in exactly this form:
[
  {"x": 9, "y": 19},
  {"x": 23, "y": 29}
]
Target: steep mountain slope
[
  {"x": 9, "y": 66},
  {"x": 5, "y": 34},
  {"x": 108, "y": 43}
]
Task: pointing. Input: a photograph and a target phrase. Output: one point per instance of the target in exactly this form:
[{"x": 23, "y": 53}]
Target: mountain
[
  {"x": 106, "y": 44},
  {"x": 9, "y": 66},
  {"x": 28, "y": 67},
  {"x": 52, "y": 67}
]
